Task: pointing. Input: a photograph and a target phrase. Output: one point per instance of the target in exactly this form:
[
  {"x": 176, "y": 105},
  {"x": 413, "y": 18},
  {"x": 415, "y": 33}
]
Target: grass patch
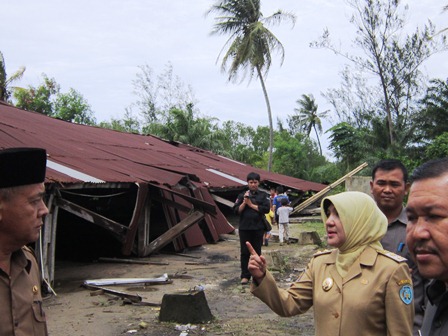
[{"x": 319, "y": 227}]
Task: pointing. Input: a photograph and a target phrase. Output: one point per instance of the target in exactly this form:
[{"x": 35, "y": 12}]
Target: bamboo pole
[{"x": 321, "y": 193}]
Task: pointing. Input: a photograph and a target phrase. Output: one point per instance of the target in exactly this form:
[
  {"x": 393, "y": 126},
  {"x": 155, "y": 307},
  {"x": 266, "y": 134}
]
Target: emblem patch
[{"x": 406, "y": 294}]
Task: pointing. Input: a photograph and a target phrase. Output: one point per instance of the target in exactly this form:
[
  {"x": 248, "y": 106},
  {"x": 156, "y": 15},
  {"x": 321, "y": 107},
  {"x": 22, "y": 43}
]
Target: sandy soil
[{"x": 75, "y": 311}]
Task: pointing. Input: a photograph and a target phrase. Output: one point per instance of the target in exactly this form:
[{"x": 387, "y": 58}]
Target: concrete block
[{"x": 191, "y": 307}]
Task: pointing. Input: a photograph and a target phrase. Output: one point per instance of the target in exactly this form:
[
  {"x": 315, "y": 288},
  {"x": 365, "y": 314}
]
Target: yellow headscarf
[{"x": 364, "y": 225}]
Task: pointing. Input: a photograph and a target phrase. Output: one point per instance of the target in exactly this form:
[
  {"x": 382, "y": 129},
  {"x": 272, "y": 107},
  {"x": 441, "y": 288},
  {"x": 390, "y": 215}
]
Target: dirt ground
[{"x": 75, "y": 311}]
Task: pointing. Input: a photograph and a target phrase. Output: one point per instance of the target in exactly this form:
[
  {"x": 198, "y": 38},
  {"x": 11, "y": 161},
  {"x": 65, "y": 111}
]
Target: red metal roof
[{"x": 111, "y": 156}]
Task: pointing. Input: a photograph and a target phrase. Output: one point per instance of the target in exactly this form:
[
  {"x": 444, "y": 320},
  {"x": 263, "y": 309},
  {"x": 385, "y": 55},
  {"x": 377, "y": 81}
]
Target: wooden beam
[
  {"x": 223, "y": 201},
  {"x": 174, "y": 232},
  {"x": 198, "y": 204},
  {"x": 90, "y": 216},
  {"x": 327, "y": 189},
  {"x": 129, "y": 238}
]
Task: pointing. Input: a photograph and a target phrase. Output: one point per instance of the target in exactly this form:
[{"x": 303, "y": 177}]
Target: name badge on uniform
[{"x": 327, "y": 284}]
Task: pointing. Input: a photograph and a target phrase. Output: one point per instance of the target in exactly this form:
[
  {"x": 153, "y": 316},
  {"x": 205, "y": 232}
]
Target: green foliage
[
  {"x": 47, "y": 99},
  {"x": 38, "y": 99},
  {"x": 384, "y": 105},
  {"x": 186, "y": 127},
  {"x": 348, "y": 144},
  {"x": 158, "y": 94},
  {"x": 5, "y": 81},
  {"x": 438, "y": 148},
  {"x": 434, "y": 114},
  {"x": 129, "y": 124},
  {"x": 73, "y": 107},
  {"x": 307, "y": 118},
  {"x": 237, "y": 142},
  {"x": 297, "y": 156},
  {"x": 250, "y": 44}
]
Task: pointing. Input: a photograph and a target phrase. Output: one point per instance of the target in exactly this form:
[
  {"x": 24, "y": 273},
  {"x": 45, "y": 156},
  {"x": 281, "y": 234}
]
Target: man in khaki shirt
[{"x": 22, "y": 209}]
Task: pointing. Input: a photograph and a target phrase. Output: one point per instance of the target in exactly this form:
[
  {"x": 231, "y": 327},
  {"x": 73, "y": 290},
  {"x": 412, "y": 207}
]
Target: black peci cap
[{"x": 22, "y": 166}]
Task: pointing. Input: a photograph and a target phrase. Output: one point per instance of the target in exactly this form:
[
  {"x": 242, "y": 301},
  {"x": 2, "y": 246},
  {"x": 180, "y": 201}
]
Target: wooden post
[{"x": 321, "y": 193}]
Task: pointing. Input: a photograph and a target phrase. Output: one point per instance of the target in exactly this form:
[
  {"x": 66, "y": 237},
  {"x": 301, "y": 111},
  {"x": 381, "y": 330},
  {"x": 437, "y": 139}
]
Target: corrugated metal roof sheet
[{"x": 99, "y": 154}]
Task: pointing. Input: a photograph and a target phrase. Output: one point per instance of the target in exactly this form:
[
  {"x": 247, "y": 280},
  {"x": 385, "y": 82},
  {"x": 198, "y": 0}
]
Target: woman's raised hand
[{"x": 257, "y": 264}]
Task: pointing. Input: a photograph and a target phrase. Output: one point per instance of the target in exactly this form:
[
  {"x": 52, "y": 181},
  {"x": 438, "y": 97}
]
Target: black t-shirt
[{"x": 251, "y": 219}]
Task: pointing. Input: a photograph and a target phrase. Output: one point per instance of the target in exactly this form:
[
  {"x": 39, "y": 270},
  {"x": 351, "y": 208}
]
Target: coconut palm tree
[
  {"x": 5, "y": 92},
  {"x": 308, "y": 118},
  {"x": 250, "y": 44}
]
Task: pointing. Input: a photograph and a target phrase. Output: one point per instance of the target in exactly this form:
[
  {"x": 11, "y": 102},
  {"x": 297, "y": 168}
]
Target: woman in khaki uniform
[{"x": 356, "y": 288}]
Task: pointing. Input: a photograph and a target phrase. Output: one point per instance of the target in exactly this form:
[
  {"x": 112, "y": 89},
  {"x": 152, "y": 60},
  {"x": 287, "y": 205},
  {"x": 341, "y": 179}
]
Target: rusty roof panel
[{"x": 79, "y": 153}]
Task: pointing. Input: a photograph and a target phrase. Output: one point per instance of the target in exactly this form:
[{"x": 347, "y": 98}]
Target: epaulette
[
  {"x": 392, "y": 255},
  {"x": 318, "y": 253}
]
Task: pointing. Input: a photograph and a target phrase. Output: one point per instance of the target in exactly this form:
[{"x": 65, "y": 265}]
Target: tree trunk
[
  {"x": 271, "y": 129},
  {"x": 318, "y": 140}
]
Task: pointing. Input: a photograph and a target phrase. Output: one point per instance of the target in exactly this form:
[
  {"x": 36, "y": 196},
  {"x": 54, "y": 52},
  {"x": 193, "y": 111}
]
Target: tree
[
  {"x": 237, "y": 142},
  {"x": 73, "y": 107},
  {"x": 307, "y": 118},
  {"x": 5, "y": 82},
  {"x": 349, "y": 144},
  {"x": 186, "y": 127},
  {"x": 159, "y": 94},
  {"x": 394, "y": 59},
  {"x": 434, "y": 114},
  {"x": 439, "y": 147},
  {"x": 130, "y": 124},
  {"x": 47, "y": 99},
  {"x": 38, "y": 99},
  {"x": 297, "y": 155},
  {"x": 250, "y": 44}
]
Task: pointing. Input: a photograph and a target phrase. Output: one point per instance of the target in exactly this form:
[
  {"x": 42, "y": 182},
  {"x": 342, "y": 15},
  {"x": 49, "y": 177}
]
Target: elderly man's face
[
  {"x": 427, "y": 229},
  {"x": 21, "y": 216}
]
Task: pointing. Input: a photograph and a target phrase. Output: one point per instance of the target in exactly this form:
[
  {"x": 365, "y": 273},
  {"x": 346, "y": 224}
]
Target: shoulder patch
[
  {"x": 392, "y": 255},
  {"x": 318, "y": 253}
]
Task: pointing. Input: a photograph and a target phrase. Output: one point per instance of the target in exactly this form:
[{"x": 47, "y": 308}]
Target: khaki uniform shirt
[
  {"x": 375, "y": 298},
  {"x": 21, "y": 312}
]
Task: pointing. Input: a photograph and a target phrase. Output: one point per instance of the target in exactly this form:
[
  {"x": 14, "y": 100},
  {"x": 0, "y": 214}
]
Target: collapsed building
[{"x": 138, "y": 193}]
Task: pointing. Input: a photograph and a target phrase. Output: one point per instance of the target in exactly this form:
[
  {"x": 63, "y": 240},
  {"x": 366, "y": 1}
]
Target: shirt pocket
[{"x": 38, "y": 311}]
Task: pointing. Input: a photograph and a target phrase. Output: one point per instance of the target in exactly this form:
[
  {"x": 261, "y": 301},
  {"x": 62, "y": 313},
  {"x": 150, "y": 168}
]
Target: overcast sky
[{"x": 96, "y": 47}]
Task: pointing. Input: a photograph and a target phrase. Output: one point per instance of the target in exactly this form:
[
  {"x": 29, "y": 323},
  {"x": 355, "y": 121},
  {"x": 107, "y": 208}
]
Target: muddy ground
[{"x": 75, "y": 311}]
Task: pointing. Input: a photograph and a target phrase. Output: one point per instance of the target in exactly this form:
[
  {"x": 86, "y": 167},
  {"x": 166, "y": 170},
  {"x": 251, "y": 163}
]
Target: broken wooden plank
[
  {"x": 123, "y": 295},
  {"x": 183, "y": 255},
  {"x": 132, "y": 261},
  {"x": 128, "y": 241},
  {"x": 180, "y": 276},
  {"x": 92, "y": 217},
  {"x": 327, "y": 189},
  {"x": 204, "y": 206},
  {"x": 197, "y": 263},
  {"x": 174, "y": 232}
]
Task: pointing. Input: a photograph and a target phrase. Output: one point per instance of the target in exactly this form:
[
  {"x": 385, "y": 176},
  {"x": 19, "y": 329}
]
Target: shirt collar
[
  {"x": 367, "y": 257},
  {"x": 436, "y": 289},
  {"x": 21, "y": 260},
  {"x": 401, "y": 219}
]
